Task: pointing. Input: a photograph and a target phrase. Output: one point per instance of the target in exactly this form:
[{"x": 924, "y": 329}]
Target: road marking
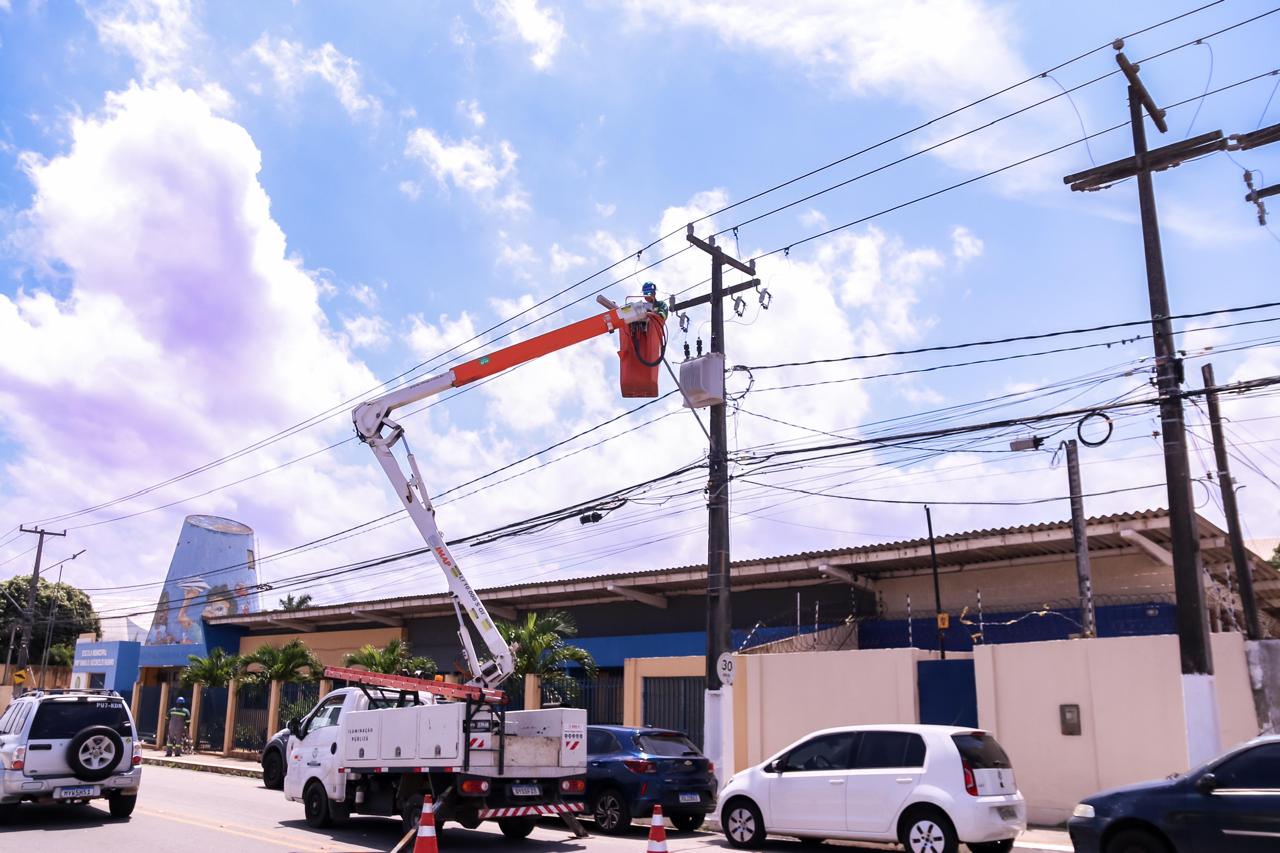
[{"x": 242, "y": 831}]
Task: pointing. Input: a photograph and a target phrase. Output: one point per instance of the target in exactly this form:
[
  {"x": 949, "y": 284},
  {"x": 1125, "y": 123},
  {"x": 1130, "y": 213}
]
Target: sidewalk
[{"x": 206, "y": 762}]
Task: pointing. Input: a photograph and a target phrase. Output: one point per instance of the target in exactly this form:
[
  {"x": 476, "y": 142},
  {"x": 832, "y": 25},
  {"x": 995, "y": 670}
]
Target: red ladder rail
[{"x": 404, "y": 682}]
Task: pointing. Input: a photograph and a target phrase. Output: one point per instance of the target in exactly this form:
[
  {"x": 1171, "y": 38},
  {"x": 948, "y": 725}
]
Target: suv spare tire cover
[{"x": 73, "y": 753}]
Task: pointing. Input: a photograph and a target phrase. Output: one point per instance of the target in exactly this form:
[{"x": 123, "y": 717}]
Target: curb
[{"x": 246, "y": 772}]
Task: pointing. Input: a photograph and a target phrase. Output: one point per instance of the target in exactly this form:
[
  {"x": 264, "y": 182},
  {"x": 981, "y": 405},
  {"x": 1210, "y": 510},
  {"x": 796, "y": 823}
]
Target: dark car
[
  {"x": 273, "y": 760},
  {"x": 630, "y": 770},
  {"x": 1231, "y": 803}
]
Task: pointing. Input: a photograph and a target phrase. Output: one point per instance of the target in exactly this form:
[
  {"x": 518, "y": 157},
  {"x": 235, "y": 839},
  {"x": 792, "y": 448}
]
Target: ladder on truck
[{"x": 477, "y": 698}]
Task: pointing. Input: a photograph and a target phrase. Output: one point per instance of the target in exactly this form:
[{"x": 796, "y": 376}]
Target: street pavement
[{"x": 196, "y": 812}]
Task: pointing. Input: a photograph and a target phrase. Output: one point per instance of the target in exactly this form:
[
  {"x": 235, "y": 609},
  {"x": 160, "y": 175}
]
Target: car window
[
  {"x": 827, "y": 752},
  {"x": 326, "y": 715},
  {"x": 1254, "y": 769},
  {"x": 666, "y": 744},
  {"x": 600, "y": 742},
  {"x": 62, "y": 719},
  {"x": 889, "y": 749},
  {"x": 981, "y": 751},
  {"x": 4, "y": 719}
]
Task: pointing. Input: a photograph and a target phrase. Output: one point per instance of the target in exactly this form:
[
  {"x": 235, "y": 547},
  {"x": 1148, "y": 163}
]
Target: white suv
[
  {"x": 928, "y": 787},
  {"x": 69, "y": 746}
]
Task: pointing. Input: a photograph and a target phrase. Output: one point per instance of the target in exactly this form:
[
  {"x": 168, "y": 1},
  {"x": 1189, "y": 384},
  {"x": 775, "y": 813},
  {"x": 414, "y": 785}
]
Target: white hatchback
[{"x": 930, "y": 788}]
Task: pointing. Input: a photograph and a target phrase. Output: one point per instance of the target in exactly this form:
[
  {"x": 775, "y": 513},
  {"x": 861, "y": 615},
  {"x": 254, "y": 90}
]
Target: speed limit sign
[{"x": 724, "y": 668}]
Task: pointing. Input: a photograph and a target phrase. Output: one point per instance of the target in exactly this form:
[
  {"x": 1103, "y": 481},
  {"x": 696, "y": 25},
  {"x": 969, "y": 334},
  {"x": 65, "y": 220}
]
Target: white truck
[{"x": 380, "y": 745}]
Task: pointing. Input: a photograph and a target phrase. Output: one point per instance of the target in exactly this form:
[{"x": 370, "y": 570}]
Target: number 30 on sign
[{"x": 724, "y": 668}]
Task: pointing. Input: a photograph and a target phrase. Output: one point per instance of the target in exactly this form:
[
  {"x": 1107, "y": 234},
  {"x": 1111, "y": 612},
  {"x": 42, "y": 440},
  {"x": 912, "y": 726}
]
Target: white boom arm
[{"x": 376, "y": 429}]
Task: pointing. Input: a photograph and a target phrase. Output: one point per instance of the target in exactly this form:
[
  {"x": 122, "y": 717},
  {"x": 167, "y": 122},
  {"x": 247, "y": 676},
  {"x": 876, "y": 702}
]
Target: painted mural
[{"x": 213, "y": 573}]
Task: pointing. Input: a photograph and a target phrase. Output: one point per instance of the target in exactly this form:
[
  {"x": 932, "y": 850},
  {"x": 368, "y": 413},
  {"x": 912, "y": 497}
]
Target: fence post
[
  {"x": 273, "y": 708},
  {"x": 136, "y": 700},
  {"x": 532, "y": 692},
  {"x": 326, "y": 687},
  {"x": 161, "y": 734},
  {"x": 229, "y": 732},
  {"x": 196, "y": 690}
]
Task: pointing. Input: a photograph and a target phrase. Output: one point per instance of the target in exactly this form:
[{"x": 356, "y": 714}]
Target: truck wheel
[
  {"x": 516, "y": 828},
  {"x": 121, "y": 806},
  {"x": 611, "y": 811},
  {"x": 315, "y": 804},
  {"x": 273, "y": 771},
  {"x": 8, "y": 811}
]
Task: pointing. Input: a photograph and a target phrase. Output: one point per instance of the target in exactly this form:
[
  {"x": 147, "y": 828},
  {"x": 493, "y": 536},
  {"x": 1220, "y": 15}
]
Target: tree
[
  {"x": 292, "y": 663},
  {"x": 538, "y": 643},
  {"x": 290, "y": 603},
  {"x": 1275, "y": 558},
  {"x": 216, "y": 670},
  {"x": 391, "y": 658},
  {"x": 70, "y": 608}
]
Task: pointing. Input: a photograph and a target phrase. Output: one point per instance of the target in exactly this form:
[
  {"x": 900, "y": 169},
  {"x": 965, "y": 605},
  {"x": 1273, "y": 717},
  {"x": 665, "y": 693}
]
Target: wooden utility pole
[
  {"x": 29, "y": 616},
  {"x": 937, "y": 589},
  {"x": 1244, "y": 576}
]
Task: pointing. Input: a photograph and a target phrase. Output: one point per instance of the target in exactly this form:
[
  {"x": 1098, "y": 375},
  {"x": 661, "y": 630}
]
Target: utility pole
[
  {"x": 718, "y": 716},
  {"x": 1244, "y": 576},
  {"x": 29, "y": 616},
  {"x": 719, "y": 621},
  {"x": 1199, "y": 703},
  {"x": 1080, "y": 535},
  {"x": 937, "y": 589}
]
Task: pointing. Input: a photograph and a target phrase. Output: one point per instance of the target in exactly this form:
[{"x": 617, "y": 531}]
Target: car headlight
[{"x": 1083, "y": 810}]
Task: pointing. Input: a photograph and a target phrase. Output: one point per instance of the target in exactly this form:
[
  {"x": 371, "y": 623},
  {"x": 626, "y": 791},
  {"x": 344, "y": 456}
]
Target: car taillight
[
  {"x": 970, "y": 782},
  {"x": 639, "y": 765},
  {"x": 573, "y": 786},
  {"x": 711, "y": 768},
  {"x": 19, "y": 758},
  {"x": 475, "y": 786}
]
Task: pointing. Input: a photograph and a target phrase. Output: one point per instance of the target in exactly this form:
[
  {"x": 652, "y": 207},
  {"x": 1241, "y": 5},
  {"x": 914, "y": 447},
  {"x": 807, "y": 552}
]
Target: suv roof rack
[{"x": 62, "y": 691}]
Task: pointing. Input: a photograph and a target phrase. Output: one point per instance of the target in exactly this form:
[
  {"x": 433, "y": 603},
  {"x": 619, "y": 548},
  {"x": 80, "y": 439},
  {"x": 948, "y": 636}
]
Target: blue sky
[{"x": 220, "y": 220}]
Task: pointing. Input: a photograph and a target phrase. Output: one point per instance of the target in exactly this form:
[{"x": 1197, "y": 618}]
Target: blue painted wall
[{"x": 116, "y": 661}]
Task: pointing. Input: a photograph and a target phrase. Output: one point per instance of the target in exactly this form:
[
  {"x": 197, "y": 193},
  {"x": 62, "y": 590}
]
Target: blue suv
[{"x": 630, "y": 770}]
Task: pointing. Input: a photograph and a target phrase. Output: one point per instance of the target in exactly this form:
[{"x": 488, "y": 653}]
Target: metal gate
[
  {"x": 600, "y": 696},
  {"x": 948, "y": 692},
  {"x": 675, "y": 703}
]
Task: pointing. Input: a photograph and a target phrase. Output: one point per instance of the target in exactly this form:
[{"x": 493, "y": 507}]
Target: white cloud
[
  {"x": 471, "y": 109},
  {"x": 484, "y": 171},
  {"x": 365, "y": 295},
  {"x": 412, "y": 189},
  {"x": 563, "y": 260},
  {"x": 538, "y": 27},
  {"x": 919, "y": 52},
  {"x": 813, "y": 219},
  {"x": 291, "y": 64},
  {"x": 156, "y": 33},
  {"x": 965, "y": 245},
  {"x": 427, "y": 340},
  {"x": 606, "y": 210},
  {"x": 519, "y": 256},
  {"x": 181, "y": 329},
  {"x": 367, "y": 332}
]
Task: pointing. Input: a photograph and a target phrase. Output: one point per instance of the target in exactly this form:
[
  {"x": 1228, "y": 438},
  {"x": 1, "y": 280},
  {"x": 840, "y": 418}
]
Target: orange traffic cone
[
  {"x": 657, "y": 833},
  {"x": 426, "y": 842}
]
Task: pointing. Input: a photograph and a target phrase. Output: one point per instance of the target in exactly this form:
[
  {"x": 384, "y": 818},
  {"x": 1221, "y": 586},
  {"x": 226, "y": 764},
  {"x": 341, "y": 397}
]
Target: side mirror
[
  {"x": 1207, "y": 783},
  {"x": 294, "y": 727},
  {"x": 774, "y": 766}
]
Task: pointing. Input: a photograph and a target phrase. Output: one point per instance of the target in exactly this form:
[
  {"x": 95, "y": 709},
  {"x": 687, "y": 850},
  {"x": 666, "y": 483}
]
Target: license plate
[
  {"x": 1007, "y": 812},
  {"x": 690, "y": 798},
  {"x": 78, "y": 793},
  {"x": 525, "y": 791}
]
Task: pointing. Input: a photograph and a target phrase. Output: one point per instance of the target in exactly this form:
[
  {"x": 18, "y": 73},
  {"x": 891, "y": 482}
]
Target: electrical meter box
[{"x": 702, "y": 380}]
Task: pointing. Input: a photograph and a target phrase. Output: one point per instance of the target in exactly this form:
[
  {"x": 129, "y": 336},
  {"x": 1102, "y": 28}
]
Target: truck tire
[
  {"x": 516, "y": 828},
  {"x": 315, "y": 804},
  {"x": 8, "y": 811},
  {"x": 94, "y": 753}
]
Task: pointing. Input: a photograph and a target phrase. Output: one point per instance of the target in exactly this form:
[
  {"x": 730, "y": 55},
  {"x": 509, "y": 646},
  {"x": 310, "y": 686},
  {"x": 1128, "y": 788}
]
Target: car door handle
[
  {"x": 37, "y": 746},
  {"x": 835, "y": 781},
  {"x": 597, "y": 763},
  {"x": 905, "y": 779}
]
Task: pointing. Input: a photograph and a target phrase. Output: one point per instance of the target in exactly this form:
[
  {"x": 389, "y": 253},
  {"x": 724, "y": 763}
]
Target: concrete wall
[
  {"x": 636, "y": 670},
  {"x": 1130, "y": 697},
  {"x": 779, "y": 698},
  {"x": 329, "y": 646},
  {"x": 1264, "y": 678}
]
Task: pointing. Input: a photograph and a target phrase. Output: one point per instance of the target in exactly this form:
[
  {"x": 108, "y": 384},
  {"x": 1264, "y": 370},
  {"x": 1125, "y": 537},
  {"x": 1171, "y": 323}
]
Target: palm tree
[
  {"x": 392, "y": 658},
  {"x": 299, "y": 603},
  {"x": 540, "y": 649},
  {"x": 216, "y": 670},
  {"x": 291, "y": 663}
]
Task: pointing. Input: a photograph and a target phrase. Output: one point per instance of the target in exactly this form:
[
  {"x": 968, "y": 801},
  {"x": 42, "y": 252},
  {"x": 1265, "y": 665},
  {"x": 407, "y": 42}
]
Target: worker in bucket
[
  {"x": 177, "y": 732},
  {"x": 650, "y": 292}
]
